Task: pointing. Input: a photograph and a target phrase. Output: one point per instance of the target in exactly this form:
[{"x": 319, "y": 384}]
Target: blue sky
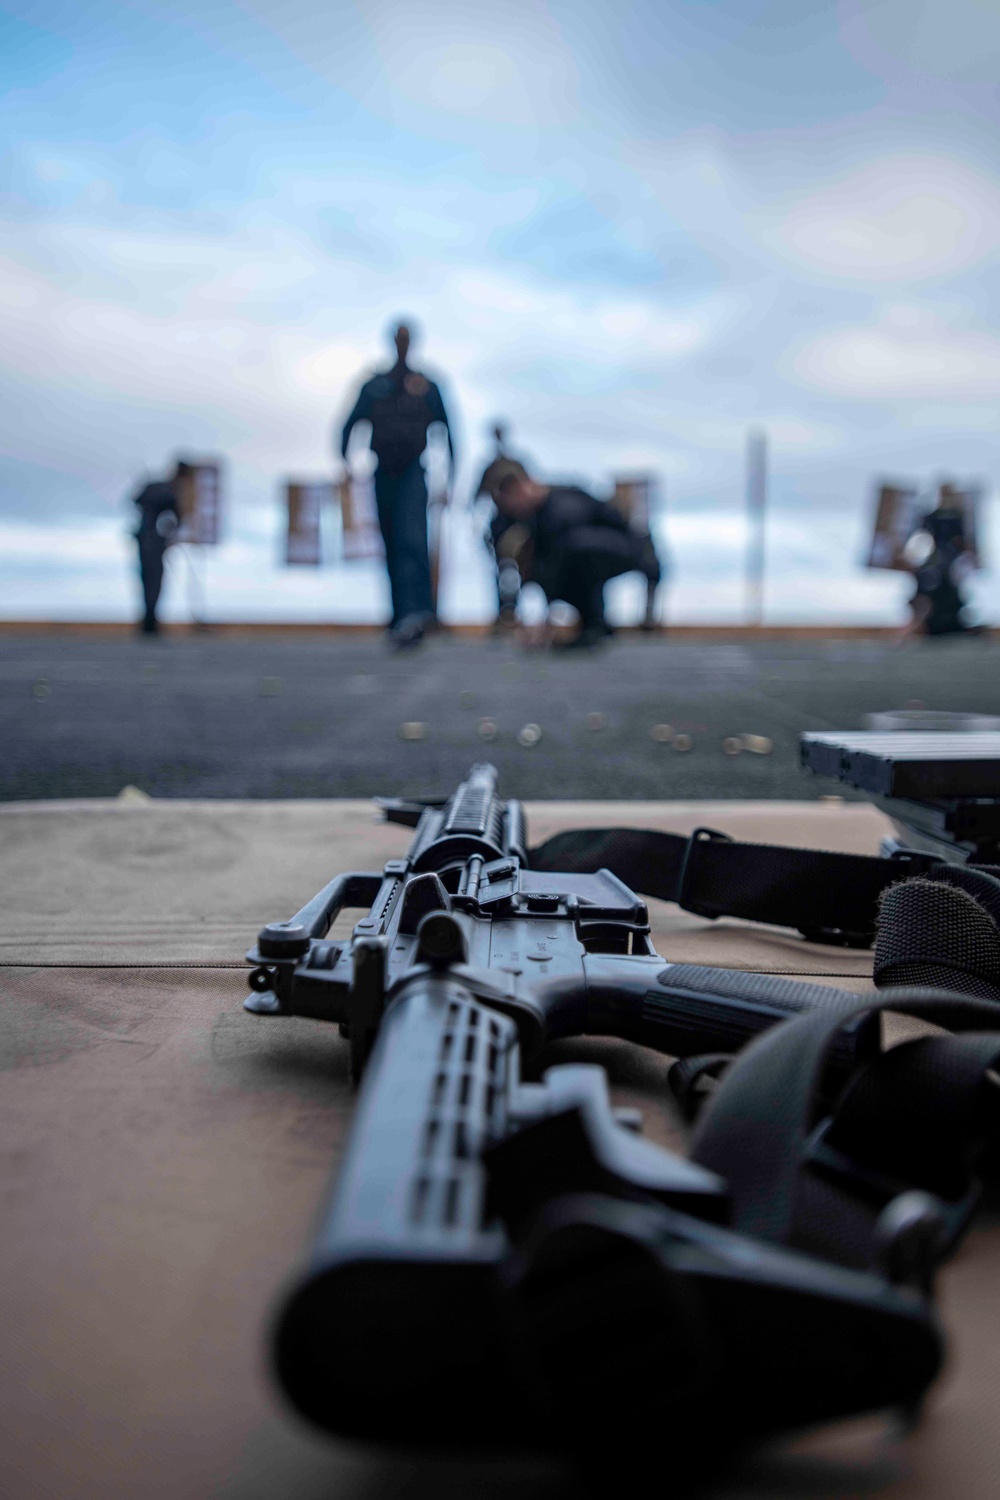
[{"x": 634, "y": 229}]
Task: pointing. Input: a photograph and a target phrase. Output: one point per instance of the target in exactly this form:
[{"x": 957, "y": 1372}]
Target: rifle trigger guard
[{"x": 685, "y": 877}]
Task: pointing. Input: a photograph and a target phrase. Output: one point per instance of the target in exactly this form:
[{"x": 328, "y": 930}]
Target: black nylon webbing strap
[
  {"x": 828, "y": 897},
  {"x": 914, "y": 1117}
]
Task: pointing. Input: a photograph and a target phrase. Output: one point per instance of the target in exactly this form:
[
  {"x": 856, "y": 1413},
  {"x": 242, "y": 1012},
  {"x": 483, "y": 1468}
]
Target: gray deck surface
[{"x": 273, "y": 716}]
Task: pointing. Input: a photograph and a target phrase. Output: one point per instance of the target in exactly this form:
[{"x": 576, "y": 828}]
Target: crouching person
[{"x": 572, "y": 544}]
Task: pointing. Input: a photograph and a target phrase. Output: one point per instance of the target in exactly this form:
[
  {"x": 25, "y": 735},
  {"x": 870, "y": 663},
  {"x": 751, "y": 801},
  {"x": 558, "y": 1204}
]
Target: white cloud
[
  {"x": 960, "y": 40},
  {"x": 187, "y": 347},
  {"x": 902, "y": 217},
  {"x": 689, "y": 181},
  {"x": 443, "y": 55},
  {"x": 955, "y": 416},
  {"x": 88, "y": 541},
  {"x": 594, "y": 328},
  {"x": 463, "y": 78},
  {"x": 328, "y": 369},
  {"x": 892, "y": 363},
  {"x": 802, "y": 436},
  {"x": 720, "y": 436},
  {"x": 439, "y": 63}
]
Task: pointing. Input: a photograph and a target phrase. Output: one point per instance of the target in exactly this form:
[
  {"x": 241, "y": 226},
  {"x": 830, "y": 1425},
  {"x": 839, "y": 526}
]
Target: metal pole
[{"x": 756, "y": 522}]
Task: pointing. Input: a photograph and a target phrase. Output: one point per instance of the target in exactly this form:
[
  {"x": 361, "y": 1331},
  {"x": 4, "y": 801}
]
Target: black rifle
[{"x": 508, "y": 1262}]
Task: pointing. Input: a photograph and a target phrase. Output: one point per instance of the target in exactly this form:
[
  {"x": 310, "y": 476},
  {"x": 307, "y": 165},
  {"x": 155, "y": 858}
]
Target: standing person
[
  {"x": 158, "y": 504},
  {"x": 938, "y": 601},
  {"x": 572, "y": 544},
  {"x": 401, "y": 404}
]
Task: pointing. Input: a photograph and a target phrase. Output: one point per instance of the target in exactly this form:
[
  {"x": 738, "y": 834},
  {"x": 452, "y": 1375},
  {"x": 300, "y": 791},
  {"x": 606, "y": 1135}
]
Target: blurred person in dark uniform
[
  {"x": 401, "y": 404},
  {"x": 572, "y": 544},
  {"x": 949, "y": 555},
  {"x": 502, "y": 463},
  {"x": 508, "y": 577},
  {"x": 158, "y": 504}
]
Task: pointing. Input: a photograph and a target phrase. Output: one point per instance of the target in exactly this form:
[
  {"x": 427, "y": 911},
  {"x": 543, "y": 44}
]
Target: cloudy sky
[{"x": 636, "y": 229}]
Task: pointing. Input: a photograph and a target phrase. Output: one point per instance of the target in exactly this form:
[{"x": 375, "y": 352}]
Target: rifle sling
[
  {"x": 829, "y": 897},
  {"x": 922, "y": 1116}
]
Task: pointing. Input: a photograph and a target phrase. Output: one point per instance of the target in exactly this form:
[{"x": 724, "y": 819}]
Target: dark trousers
[
  {"x": 589, "y": 556},
  {"x": 938, "y": 600},
  {"x": 401, "y": 500},
  {"x": 151, "y": 550}
]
